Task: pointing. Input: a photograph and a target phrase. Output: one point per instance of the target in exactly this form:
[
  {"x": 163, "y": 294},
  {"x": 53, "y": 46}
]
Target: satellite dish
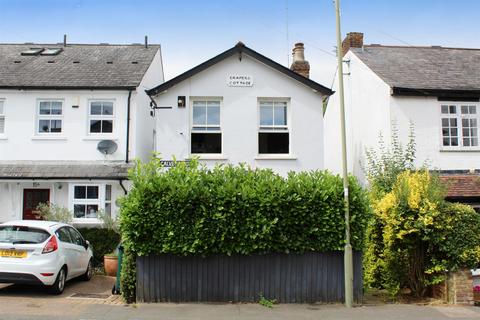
[{"x": 107, "y": 146}]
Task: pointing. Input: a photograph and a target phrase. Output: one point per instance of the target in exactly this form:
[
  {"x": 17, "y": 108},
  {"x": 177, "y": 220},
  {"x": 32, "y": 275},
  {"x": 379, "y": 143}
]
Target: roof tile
[{"x": 91, "y": 71}]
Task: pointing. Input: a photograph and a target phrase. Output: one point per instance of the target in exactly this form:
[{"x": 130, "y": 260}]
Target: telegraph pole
[{"x": 348, "y": 261}]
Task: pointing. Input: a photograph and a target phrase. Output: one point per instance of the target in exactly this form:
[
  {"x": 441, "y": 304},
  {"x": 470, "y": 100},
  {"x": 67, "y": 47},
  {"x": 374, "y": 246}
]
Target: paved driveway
[{"x": 100, "y": 285}]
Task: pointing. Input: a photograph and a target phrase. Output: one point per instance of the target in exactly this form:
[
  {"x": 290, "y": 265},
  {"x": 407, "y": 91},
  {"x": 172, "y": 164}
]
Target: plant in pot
[
  {"x": 110, "y": 260},
  {"x": 476, "y": 294}
]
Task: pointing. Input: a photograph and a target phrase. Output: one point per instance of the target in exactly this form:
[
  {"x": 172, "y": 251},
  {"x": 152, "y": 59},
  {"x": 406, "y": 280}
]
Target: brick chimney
[
  {"x": 299, "y": 64},
  {"x": 352, "y": 40}
]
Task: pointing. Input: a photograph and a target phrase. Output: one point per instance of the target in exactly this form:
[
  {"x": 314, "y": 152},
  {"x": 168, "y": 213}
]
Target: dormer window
[
  {"x": 460, "y": 125},
  {"x": 32, "y": 52}
]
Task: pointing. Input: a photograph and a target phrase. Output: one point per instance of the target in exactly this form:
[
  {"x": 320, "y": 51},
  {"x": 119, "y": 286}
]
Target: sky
[{"x": 191, "y": 32}]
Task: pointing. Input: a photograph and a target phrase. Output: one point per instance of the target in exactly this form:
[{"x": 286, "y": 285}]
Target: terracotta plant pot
[{"x": 111, "y": 264}]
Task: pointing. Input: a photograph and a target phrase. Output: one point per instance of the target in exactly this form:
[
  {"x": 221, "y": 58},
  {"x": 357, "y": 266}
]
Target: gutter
[
  {"x": 120, "y": 182},
  {"x": 127, "y": 148},
  {"x": 62, "y": 178}
]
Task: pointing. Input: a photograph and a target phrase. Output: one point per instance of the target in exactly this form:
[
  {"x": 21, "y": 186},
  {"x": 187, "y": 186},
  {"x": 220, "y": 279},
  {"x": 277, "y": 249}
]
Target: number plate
[{"x": 13, "y": 253}]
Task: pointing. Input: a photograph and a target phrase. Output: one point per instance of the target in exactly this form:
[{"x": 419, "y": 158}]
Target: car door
[
  {"x": 80, "y": 250},
  {"x": 68, "y": 249}
]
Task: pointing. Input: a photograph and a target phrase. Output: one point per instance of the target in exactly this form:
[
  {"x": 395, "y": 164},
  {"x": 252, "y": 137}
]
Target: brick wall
[
  {"x": 352, "y": 40},
  {"x": 457, "y": 289}
]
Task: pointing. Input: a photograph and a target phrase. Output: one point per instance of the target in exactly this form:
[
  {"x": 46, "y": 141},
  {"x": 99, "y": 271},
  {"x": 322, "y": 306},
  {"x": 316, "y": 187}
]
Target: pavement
[{"x": 19, "y": 302}]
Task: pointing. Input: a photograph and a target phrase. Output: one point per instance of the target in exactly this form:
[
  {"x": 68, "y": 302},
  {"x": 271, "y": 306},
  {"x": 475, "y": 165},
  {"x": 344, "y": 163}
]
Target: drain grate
[{"x": 90, "y": 296}]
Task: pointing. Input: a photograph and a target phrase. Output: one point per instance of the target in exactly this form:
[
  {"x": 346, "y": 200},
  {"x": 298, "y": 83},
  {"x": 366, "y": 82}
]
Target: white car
[{"x": 43, "y": 253}]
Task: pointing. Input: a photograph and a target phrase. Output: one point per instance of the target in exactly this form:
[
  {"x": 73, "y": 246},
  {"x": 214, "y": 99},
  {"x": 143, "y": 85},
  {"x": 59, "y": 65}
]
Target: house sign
[{"x": 239, "y": 80}]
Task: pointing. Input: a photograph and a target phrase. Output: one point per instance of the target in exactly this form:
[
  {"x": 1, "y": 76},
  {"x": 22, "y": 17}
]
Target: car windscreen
[{"x": 22, "y": 234}]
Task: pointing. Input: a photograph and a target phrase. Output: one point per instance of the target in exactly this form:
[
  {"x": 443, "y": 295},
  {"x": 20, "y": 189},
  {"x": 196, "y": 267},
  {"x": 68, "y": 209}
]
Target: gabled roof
[
  {"x": 76, "y": 66},
  {"x": 430, "y": 71},
  {"x": 239, "y": 48}
]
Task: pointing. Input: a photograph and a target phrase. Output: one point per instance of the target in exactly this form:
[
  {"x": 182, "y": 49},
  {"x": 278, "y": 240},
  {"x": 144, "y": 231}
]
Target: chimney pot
[
  {"x": 352, "y": 40},
  {"x": 299, "y": 64}
]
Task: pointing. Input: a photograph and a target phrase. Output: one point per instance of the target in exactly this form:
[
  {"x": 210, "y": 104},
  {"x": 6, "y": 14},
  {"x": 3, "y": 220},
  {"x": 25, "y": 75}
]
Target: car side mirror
[{"x": 87, "y": 244}]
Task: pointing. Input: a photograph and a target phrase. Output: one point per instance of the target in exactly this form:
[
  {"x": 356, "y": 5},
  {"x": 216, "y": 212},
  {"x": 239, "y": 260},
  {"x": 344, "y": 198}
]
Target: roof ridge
[
  {"x": 374, "y": 45},
  {"x": 82, "y": 44}
]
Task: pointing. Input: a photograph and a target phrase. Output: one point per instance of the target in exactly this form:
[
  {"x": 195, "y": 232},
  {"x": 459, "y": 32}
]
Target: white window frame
[
  {"x": 459, "y": 117},
  {"x": 192, "y": 126},
  {"x": 100, "y": 201},
  {"x": 100, "y": 117},
  {"x": 271, "y": 128},
  {"x": 49, "y": 117},
  {"x": 3, "y": 116}
]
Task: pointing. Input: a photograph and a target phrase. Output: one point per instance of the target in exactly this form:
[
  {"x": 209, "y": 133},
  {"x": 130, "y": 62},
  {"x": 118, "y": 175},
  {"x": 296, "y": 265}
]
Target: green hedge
[
  {"x": 103, "y": 241},
  {"x": 192, "y": 210},
  {"x": 189, "y": 209}
]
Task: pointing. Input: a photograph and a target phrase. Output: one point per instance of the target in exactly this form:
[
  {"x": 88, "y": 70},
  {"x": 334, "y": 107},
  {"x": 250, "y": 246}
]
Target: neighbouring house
[
  {"x": 436, "y": 89},
  {"x": 72, "y": 116},
  {"x": 242, "y": 107}
]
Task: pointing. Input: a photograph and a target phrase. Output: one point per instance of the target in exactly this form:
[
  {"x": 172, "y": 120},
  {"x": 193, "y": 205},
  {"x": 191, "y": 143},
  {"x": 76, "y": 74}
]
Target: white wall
[
  {"x": 367, "y": 115},
  {"x": 20, "y": 141},
  {"x": 425, "y": 114},
  {"x": 239, "y": 116},
  {"x": 11, "y": 196},
  {"x": 142, "y": 124}
]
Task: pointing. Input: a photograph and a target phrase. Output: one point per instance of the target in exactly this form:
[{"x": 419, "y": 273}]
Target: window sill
[
  {"x": 78, "y": 221},
  {"x": 202, "y": 156},
  {"x": 3, "y": 137},
  {"x": 461, "y": 149},
  {"x": 99, "y": 137},
  {"x": 275, "y": 157},
  {"x": 49, "y": 138}
]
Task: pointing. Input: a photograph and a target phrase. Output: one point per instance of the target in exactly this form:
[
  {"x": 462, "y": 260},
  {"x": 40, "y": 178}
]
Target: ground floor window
[{"x": 89, "y": 199}]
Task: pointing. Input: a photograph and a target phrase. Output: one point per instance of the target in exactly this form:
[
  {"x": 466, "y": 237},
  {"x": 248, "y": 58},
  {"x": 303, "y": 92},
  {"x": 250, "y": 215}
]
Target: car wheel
[
  {"x": 89, "y": 272},
  {"x": 59, "y": 285}
]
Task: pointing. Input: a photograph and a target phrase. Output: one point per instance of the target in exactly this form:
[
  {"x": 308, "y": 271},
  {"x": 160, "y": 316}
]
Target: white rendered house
[
  {"x": 72, "y": 117},
  {"x": 436, "y": 89},
  {"x": 242, "y": 107}
]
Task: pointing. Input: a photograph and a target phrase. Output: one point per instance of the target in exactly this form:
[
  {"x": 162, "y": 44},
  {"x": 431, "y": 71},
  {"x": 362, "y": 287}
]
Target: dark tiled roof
[
  {"x": 424, "y": 68},
  {"x": 63, "y": 170},
  {"x": 77, "y": 66},
  {"x": 460, "y": 186}
]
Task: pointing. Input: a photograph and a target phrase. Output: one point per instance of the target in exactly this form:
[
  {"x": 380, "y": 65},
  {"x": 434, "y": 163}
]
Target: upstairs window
[
  {"x": 459, "y": 125},
  {"x": 100, "y": 117},
  {"x": 206, "y": 133},
  {"x": 50, "y": 116},
  {"x": 273, "y": 134},
  {"x": 2, "y": 117}
]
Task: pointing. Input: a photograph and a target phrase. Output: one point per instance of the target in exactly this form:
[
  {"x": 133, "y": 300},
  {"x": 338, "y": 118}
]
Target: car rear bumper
[
  {"x": 19, "y": 278},
  {"x": 30, "y": 270}
]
